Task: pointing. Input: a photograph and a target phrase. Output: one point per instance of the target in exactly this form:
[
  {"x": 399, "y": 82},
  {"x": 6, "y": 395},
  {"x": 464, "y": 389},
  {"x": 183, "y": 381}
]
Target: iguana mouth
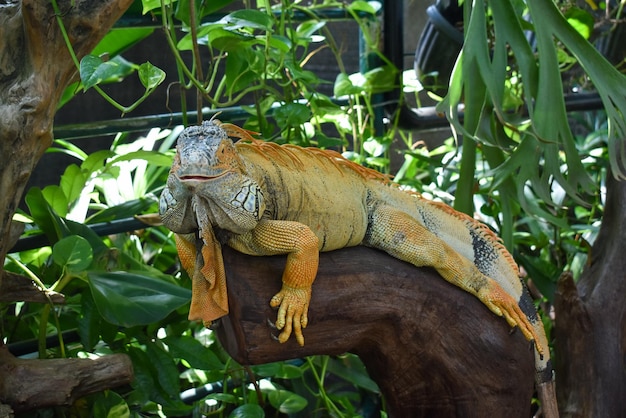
[{"x": 199, "y": 177}]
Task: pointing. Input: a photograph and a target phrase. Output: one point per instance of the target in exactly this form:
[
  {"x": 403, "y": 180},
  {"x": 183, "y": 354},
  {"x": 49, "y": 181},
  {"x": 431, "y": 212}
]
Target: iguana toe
[{"x": 293, "y": 305}]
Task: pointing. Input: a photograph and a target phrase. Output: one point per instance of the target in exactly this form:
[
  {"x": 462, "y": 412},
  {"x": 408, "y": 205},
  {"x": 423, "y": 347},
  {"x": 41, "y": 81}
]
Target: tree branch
[{"x": 433, "y": 349}]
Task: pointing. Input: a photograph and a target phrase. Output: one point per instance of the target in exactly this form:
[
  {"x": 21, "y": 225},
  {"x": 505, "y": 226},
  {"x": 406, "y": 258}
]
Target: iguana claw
[
  {"x": 502, "y": 304},
  {"x": 293, "y": 305}
]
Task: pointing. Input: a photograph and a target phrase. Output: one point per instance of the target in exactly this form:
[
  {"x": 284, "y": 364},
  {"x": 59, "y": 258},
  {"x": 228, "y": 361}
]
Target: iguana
[{"x": 264, "y": 199}]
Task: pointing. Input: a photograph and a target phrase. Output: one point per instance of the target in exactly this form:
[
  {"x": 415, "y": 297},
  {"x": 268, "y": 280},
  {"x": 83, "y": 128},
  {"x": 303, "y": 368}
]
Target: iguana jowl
[{"x": 264, "y": 199}]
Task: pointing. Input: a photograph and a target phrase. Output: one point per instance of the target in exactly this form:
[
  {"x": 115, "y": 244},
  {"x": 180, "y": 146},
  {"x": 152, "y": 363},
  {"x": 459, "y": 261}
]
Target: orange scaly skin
[{"x": 264, "y": 199}]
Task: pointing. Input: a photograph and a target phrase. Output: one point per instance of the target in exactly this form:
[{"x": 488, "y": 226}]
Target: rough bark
[
  {"x": 33, "y": 384},
  {"x": 35, "y": 67},
  {"x": 590, "y": 330},
  {"x": 433, "y": 349}
]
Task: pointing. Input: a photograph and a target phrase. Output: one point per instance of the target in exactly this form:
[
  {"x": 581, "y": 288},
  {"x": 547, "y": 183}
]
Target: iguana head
[{"x": 208, "y": 172}]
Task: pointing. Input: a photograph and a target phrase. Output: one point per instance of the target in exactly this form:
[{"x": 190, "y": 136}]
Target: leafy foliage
[{"x": 527, "y": 177}]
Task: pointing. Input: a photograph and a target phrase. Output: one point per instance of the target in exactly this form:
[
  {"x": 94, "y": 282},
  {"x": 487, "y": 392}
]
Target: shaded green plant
[{"x": 126, "y": 292}]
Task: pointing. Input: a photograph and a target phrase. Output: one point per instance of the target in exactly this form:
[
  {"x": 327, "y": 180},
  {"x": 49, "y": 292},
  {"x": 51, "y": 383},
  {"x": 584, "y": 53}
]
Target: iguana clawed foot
[
  {"x": 293, "y": 306},
  {"x": 502, "y": 304}
]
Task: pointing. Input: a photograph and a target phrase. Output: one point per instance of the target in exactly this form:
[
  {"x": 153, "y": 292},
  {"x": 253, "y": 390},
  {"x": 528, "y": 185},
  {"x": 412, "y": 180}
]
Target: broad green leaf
[
  {"x": 88, "y": 322},
  {"x": 80, "y": 229},
  {"x": 166, "y": 368},
  {"x": 109, "y": 404},
  {"x": 130, "y": 299},
  {"x": 306, "y": 29},
  {"x": 344, "y": 86},
  {"x": 95, "y": 161},
  {"x": 267, "y": 369},
  {"x": 150, "y": 76},
  {"x": 381, "y": 79},
  {"x": 149, "y": 5},
  {"x": 362, "y": 6},
  {"x": 249, "y": 18},
  {"x": 119, "y": 40},
  {"x": 353, "y": 370},
  {"x": 56, "y": 198},
  {"x": 286, "y": 402},
  {"x": 154, "y": 158},
  {"x": 228, "y": 41},
  {"x": 145, "y": 374},
  {"x": 292, "y": 114},
  {"x": 44, "y": 216},
  {"x": 247, "y": 411},
  {"x": 289, "y": 371},
  {"x": 93, "y": 70},
  {"x": 73, "y": 182},
  {"x": 73, "y": 253},
  {"x": 581, "y": 20},
  {"x": 123, "y": 210},
  {"x": 280, "y": 43},
  {"x": 193, "y": 352},
  {"x": 203, "y": 8}
]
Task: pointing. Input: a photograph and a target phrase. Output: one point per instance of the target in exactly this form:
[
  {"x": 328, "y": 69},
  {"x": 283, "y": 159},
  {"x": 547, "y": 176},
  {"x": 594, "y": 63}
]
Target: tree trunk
[
  {"x": 590, "y": 330},
  {"x": 433, "y": 349},
  {"x": 35, "y": 68}
]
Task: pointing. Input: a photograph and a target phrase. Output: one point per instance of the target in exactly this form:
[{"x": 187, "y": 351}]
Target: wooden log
[
  {"x": 32, "y": 384},
  {"x": 433, "y": 349}
]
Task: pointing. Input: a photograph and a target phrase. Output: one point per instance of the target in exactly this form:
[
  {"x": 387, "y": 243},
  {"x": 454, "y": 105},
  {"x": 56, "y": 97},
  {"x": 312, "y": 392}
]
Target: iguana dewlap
[{"x": 264, "y": 199}]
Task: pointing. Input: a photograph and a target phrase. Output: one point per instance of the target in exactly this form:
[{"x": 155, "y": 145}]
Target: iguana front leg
[
  {"x": 400, "y": 235},
  {"x": 272, "y": 237}
]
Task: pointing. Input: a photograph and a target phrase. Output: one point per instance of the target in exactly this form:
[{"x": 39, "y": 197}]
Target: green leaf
[
  {"x": 109, "y": 404},
  {"x": 93, "y": 70},
  {"x": 305, "y": 30},
  {"x": 292, "y": 114},
  {"x": 72, "y": 182},
  {"x": 203, "y": 8},
  {"x": 581, "y": 20},
  {"x": 286, "y": 402},
  {"x": 249, "y": 18},
  {"x": 130, "y": 299},
  {"x": 119, "y": 40},
  {"x": 155, "y": 158},
  {"x": 123, "y": 210},
  {"x": 381, "y": 79},
  {"x": 191, "y": 350},
  {"x": 362, "y": 6},
  {"x": 344, "y": 86},
  {"x": 247, "y": 411},
  {"x": 55, "y": 196},
  {"x": 44, "y": 216},
  {"x": 73, "y": 253},
  {"x": 149, "y": 5},
  {"x": 150, "y": 75},
  {"x": 167, "y": 370}
]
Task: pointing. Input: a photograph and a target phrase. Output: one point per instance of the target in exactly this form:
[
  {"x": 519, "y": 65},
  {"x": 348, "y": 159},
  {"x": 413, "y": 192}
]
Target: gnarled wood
[
  {"x": 434, "y": 350},
  {"x": 35, "y": 68},
  {"x": 32, "y": 384}
]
